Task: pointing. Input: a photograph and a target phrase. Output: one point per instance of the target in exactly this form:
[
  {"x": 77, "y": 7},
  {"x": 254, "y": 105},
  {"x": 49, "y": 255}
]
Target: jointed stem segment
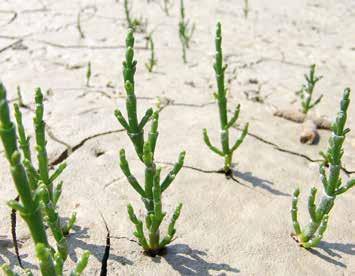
[
  {"x": 152, "y": 60},
  {"x": 312, "y": 234},
  {"x": 152, "y": 189},
  {"x": 185, "y": 31},
  {"x": 133, "y": 23},
  {"x": 227, "y": 150},
  {"x": 134, "y": 129},
  {"x": 35, "y": 187},
  {"x": 306, "y": 91}
]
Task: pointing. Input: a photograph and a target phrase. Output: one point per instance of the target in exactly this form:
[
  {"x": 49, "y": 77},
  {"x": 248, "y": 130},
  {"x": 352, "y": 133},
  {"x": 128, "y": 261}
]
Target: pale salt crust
[{"x": 225, "y": 228}]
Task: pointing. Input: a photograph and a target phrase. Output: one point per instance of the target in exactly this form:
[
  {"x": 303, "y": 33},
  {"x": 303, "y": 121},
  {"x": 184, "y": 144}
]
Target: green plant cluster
[
  {"x": 221, "y": 96},
  {"x": 333, "y": 186},
  {"x": 39, "y": 188},
  {"x": 36, "y": 188},
  {"x": 306, "y": 92},
  {"x": 185, "y": 31},
  {"x": 145, "y": 148}
]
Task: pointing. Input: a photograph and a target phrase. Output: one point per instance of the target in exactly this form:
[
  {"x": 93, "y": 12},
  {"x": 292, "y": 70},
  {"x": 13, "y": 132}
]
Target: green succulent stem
[
  {"x": 134, "y": 128},
  {"x": 151, "y": 191},
  {"x": 133, "y": 23},
  {"x": 152, "y": 60},
  {"x": 313, "y": 233},
  {"x": 41, "y": 142},
  {"x": 23, "y": 140},
  {"x": 227, "y": 150},
  {"x": 53, "y": 221},
  {"x": 306, "y": 92},
  {"x": 34, "y": 186},
  {"x": 185, "y": 31},
  {"x": 88, "y": 74},
  {"x": 29, "y": 208}
]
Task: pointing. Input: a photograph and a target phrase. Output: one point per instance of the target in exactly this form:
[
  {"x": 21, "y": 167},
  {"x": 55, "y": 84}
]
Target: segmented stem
[
  {"x": 332, "y": 184},
  {"x": 221, "y": 96}
]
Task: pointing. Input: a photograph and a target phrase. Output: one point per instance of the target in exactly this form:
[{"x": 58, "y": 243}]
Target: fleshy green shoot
[
  {"x": 227, "y": 151},
  {"x": 152, "y": 60},
  {"x": 153, "y": 188},
  {"x": 185, "y": 31},
  {"x": 167, "y": 4},
  {"x": 135, "y": 24},
  {"x": 37, "y": 192},
  {"x": 19, "y": 97},
  {"x": 88, "y": 74},
  {"x": 306, "y": 92},
  {"x": 246, "y": 8},
  {"x": 312, "y": 234}
]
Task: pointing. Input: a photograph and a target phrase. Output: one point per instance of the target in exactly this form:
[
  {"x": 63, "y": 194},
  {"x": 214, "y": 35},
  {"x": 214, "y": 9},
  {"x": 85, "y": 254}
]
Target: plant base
[
  {"x": 228, "y": 173},
  {"x": 155, "y": 252},
  {"x": 296, "y": 239}
]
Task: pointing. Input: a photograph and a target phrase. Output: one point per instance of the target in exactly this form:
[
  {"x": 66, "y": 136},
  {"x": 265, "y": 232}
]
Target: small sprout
[
  {"x": 19, "y": 97},
  {"x": 152, "y": 60},
  {"x": 307, "y": 90},
  {"x": 137, "y": 25},
  {"x": 167, "y": 5},
  {"x": 88, "y": 74},
  {"x": 78, "y": 25},
  {"x": 185, "y": 31},
  {"x": 313, "y": 233},
  {"x": 246, "y": 8},
  {"x": 153, "y": 187},
  {"x": 221, "y": 96}
]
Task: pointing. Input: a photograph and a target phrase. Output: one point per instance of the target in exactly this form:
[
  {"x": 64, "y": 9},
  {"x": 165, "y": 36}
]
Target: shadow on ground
[
  {"x": 258, "y": 182},
  {"x": 9, "y": 257},
  {"x": 76, "y": 240},
  {"x": 188, "y": 261},
  {"x": 331, "y": 252}
]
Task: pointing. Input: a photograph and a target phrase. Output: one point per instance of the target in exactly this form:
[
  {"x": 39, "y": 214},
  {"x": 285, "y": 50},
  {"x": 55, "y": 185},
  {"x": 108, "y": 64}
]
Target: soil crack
[{"x": 65, "y": 154}]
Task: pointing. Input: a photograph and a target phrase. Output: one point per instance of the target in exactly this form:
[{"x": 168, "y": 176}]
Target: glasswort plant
[
  {"x": 152, "y": 60},
  {"x": 185, "y": 32},
  {"x": 38, "y": 196},
  {"x": 227, "y": 151},
  {"x": 312, "y": 234},
  {"x": 88, "y": 74},
  {"x": 306, "y": 91},
  {"x": 133, "y": 23},
  {"x": 153, "y": 187}
]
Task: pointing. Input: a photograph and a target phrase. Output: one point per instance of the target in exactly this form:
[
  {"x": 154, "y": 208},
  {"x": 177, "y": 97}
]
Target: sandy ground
[{"x": 226, "y": 228}]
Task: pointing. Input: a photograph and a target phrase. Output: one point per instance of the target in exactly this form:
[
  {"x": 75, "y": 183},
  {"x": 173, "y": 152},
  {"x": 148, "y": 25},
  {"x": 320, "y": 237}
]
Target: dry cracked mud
[{"x": 227, "y": 227}]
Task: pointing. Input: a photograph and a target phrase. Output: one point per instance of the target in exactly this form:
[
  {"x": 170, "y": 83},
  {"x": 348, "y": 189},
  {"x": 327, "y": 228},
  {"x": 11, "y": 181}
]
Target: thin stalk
[{"x": 226, "y": 150}]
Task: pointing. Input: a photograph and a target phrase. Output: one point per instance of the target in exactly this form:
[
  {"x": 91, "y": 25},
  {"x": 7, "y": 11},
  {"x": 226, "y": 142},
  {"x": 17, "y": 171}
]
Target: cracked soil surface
[{"x": 226, "y": 227}]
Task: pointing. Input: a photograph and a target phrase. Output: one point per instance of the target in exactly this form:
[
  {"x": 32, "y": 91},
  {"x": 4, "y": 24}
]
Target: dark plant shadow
[
  {"x": 75, "y": 241},
  {"x": 332, "y": 251},
  {"x": 189, "y": 261},
  {"x": 9, "y": 257},
  {"x": 258, "y": 182}
]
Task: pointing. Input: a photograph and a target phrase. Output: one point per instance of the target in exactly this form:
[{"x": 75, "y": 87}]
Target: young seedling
[
  {"x": 153, "y": 188},
  {"x": 226, "y": 151},
  {"x": 307, "y": 89},
  {"x": 38, "y": 196},
  {"x": 309, "y": 133},
  {"x": 312, "y": 234},
  {"x": 19, "y": 97},
  {"x": 185, "y": 32},
  {"x": 135, "y": 24},
  {"x": 246, "y": 8},
  {"x": 152, "y": 60},
  {"x": 88, "y": 74},
  {"x": 167, "y": 4}
]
